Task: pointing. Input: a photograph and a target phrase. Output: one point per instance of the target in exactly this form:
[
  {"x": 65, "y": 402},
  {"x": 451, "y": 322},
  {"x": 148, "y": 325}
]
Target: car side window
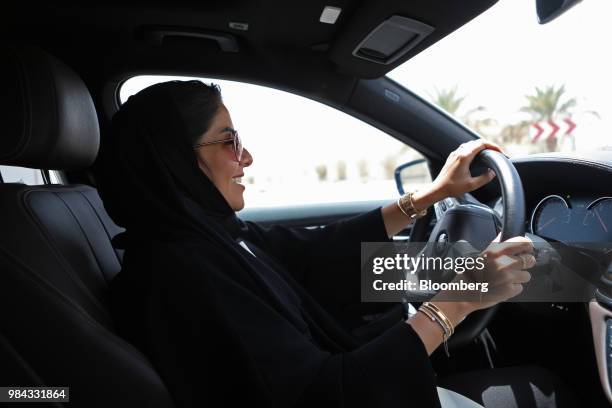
[
  {"x": 14, "y": 174},
  {"x": 24, "y": 175},
  {"x": 305, "y": 152}
]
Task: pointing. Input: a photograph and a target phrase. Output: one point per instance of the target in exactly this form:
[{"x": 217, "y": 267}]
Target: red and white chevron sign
[{"x": 551, "y": 129}]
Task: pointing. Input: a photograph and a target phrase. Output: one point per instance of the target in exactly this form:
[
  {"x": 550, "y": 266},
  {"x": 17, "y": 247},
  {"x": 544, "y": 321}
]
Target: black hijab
[
  {"x": 203, "y": 309},
  {"x": 147, "y": 168}
]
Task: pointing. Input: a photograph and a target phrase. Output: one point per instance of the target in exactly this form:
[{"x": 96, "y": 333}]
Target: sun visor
[{"x": 381, "y": 35}]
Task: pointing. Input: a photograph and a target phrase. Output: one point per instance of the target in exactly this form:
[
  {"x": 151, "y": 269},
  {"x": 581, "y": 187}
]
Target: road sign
[{"x": 551, "y": 129}]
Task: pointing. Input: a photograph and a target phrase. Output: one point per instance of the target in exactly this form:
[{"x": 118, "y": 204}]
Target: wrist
[
  {"x": 427, "y": 197},
  {"x": 455, "y": 311}
]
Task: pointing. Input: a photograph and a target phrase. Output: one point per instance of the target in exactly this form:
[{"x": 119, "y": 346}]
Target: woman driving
[{"x": 232, "y": 313}]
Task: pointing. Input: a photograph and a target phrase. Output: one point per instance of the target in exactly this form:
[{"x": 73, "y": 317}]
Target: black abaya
[
  {"x": 306, "y": 360},
  {"x": 224, "y": 327}
]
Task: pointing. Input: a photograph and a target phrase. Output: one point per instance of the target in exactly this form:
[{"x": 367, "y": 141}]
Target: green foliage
[
  {"x": 548, "y": 102},
  {"x": 448, "y": 99}
]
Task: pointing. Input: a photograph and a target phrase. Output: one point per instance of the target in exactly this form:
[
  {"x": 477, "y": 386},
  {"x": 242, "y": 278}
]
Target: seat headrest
[{"x": 49, "y": 119}]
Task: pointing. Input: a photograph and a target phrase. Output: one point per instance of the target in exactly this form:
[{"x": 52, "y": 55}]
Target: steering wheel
[{"x": 479, "y": 225}]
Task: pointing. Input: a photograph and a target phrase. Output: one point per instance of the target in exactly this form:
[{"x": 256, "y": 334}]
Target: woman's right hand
[{"x": 505, "y": 272}]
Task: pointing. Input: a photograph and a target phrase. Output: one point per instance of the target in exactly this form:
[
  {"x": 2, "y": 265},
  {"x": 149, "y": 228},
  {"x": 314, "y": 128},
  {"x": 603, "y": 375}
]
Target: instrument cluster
[{"x": 569, "y": 218}]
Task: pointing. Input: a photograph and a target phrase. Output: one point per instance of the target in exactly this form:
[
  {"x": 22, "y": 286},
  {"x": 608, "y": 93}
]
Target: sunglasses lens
[{"x": 238, "y": 146}]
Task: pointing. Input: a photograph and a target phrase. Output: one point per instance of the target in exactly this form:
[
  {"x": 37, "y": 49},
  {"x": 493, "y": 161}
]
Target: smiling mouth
[{"x": 236, "y": 180}]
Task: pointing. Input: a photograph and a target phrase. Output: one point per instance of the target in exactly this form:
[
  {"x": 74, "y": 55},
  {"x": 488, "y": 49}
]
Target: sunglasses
[{"x": 235, "y": 140}]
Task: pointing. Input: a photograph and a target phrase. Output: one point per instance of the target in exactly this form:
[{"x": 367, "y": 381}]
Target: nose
[{"x": 246, "y": 159}]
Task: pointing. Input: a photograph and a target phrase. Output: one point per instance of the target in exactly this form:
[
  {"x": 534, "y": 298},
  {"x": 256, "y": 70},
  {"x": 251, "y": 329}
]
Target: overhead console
[
  {"x": 392, "y": 39},
  {"x": 379, "y": 36}
]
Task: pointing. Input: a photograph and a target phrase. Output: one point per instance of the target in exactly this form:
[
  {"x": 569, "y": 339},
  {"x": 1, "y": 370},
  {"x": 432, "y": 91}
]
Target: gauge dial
[
  {"x": 598, "y": 219},
  {"x": 551, "y": 217}
]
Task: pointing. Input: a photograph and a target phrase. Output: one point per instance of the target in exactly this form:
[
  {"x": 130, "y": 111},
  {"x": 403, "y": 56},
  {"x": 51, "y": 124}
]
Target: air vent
[{"x": 392, "y": 39}]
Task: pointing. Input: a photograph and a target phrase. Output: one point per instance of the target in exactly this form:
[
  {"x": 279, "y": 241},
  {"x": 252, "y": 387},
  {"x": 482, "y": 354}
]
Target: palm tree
[
  {"x": 515, "y": 133},
  {"x": 448, "y": 99},
  {"x": 547, "y": 103}
]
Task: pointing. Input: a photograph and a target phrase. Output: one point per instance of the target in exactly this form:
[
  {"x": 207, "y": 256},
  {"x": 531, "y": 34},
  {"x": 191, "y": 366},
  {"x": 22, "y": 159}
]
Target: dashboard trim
[
  {"x": 598, "y": 315},
  {"x": 601, "y": 160},
  {"x": 597, "y": 200},
  {"x": 535, "y": 209}
]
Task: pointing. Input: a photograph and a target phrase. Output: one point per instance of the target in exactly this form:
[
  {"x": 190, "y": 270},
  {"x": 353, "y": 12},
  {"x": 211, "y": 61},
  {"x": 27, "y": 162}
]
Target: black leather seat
[{"x": 56, "y": 258}]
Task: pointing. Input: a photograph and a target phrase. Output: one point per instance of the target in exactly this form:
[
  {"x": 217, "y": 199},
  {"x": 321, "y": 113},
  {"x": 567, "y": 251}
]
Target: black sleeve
[
  {"x": 206, "y": 329},
  {"x": 325, "y": 261}
]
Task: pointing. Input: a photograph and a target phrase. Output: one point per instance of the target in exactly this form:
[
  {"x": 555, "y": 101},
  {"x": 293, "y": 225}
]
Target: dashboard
[
  {"x": 568, "y": 197},
  {"x": 579, "y": 218}
]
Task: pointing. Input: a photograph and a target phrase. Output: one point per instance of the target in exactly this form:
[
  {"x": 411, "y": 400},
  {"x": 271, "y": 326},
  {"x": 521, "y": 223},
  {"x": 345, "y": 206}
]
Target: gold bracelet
[
  {"x": 429, "y": 315},
  {"x": 433, "y": 318},
  {"x": 443, "y": 322},
  {"x": 435, "y": 314},
  {"x": 442, "y": 315},
  {"x": 406, "y": 205},
  {"x": 445, "y": 333},
  {"x": 401, "y": 209}
]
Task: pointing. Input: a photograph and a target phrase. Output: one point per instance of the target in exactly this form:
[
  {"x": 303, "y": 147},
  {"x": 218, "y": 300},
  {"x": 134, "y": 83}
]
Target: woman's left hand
[{"x": 455, "y": 178}]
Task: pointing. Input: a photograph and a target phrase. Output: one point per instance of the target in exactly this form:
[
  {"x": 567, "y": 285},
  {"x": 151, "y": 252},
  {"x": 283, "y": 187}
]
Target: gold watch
[{"x": 406, "y": 206}]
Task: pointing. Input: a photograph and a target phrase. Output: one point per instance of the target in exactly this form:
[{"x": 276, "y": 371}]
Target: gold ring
[{"x": 524, "y": 258}]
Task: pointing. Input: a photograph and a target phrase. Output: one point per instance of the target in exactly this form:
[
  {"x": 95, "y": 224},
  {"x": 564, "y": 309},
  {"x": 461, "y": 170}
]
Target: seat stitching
[
  {"x": 101, "y": 222},
  {"x": 91, "y": 247},
  {"x": 60, "y": 257}
]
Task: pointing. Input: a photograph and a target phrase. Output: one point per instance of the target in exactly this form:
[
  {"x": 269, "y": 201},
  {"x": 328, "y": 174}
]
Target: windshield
[{"x": 532, "y": 88}]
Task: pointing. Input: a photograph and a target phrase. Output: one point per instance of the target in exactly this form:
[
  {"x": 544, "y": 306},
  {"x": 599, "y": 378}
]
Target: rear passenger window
[{"x": 14, "y": 174}]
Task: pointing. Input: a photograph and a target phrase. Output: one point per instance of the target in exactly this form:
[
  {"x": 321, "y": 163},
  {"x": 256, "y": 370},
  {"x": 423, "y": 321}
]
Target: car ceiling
[{"x": 285, "y": 46}]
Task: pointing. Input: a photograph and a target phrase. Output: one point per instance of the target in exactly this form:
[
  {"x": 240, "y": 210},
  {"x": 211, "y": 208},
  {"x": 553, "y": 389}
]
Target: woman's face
[{"x": 218, "y": 161}]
